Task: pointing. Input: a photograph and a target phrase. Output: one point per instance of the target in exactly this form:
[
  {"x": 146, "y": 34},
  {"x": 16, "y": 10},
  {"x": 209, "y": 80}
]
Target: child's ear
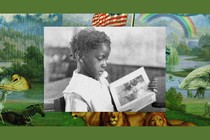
[{"x": 78, "y": 56}]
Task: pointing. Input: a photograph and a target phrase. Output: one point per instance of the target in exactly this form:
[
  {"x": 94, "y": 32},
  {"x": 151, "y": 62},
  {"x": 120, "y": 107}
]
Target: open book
[{"x": 130, "y": 93}]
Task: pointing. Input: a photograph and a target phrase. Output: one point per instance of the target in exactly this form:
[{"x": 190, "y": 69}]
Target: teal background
[{"x": 92, "y": 6}]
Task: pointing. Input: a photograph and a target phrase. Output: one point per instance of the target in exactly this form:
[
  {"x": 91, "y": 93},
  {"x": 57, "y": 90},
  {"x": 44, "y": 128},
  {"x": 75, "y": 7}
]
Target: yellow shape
[{"x": 18, "y": 83}]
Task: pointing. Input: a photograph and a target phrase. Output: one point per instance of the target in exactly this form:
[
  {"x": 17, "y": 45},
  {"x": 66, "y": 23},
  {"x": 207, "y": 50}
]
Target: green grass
[
  {"x": 34, "y": 96},
  {"x": 57, "y": 119},
  {"x": 179, "y": 73},
  {"x": 18, "y": 104},
  {"x": 183, "y": 73},
  {"x": 198, "y": 120},
  {"x": 36, "y": 91},
  {"x": 199, "y": 59},
  {"x": 50, "y": 118},
  {"x": 194, "y": 112},
  {"x": 195, "y": 106}
]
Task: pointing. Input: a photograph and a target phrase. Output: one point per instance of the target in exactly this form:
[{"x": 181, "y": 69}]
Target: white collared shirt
[{"x": 85, "y": 94}]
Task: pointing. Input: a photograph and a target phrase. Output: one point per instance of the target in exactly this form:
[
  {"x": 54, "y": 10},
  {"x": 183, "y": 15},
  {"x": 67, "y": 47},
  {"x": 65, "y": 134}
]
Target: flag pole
[{"x": 132, "y": 20}]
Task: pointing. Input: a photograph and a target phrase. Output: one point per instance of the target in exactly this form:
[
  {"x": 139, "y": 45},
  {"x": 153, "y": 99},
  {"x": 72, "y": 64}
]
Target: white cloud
[
  {"x": 10, "y": 17},
  {"x": 55, "y": 18},
  {"x": 44, "y": 17},
  {"x": 84, "y": 17},
  {"x": 7, "y": 17}
]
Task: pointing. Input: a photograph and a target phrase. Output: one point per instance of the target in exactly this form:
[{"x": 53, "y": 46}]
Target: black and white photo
[{"x": 131, "y": 49}]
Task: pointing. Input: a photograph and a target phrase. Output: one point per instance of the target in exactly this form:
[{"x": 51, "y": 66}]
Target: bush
[
  {"x": 196, "y": 51},
  {"x": 32, "y": 68},
  {"x": 174, "y": 100},
  {"x": 183, "y": 49}
]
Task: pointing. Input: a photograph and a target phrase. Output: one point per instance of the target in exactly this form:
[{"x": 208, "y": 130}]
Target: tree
[
  {"x": 174, "y": 100},
  {"x": 33, "y": 68},
  {"x": 173, "y": 58},
  {"x": 206, "y": 50},
  {"x": 34, "y": 63},
  {"x": 33, "y": 54},
  {"x": 204, "y": 39},
  {"x": 183, "y": 49},
  {"x": 204, "y": 43},
  {"x": 196, "y": 51},
  {"x": 10, "y": 52}
]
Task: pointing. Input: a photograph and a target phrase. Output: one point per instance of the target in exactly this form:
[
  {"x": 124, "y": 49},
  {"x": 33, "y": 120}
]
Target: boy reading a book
[{"x": 88, "y": 90}]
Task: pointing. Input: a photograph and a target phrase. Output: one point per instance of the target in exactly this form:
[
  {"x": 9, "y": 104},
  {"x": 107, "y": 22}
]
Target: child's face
[{"x": 95, "y": 61}]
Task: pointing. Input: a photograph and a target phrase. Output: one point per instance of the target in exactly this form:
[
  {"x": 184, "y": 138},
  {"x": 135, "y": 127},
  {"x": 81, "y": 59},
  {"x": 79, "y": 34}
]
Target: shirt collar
[{"x": 90, "y": 79}]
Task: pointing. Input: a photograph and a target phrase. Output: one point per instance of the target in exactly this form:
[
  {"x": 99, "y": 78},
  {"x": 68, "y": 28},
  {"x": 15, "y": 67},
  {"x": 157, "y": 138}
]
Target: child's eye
[{"x": 100, "y": 58}]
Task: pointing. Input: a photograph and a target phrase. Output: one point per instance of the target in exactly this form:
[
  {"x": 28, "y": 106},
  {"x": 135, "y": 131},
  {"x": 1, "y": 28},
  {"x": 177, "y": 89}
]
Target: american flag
[{"x": 111, "y": 19}]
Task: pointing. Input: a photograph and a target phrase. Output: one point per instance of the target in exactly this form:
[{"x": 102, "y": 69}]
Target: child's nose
[{"x": 104, "y": 64}]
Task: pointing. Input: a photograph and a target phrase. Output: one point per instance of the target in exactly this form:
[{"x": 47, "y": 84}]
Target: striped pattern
[
  {"x": 113, "y": 20},
  {"x": 185, "y": 21}
]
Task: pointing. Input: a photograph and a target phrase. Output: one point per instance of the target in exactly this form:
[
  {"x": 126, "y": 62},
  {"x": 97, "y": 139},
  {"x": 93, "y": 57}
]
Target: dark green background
[
  {"x": 89, "y": 6},
  {"x": 100, "y": 6}
]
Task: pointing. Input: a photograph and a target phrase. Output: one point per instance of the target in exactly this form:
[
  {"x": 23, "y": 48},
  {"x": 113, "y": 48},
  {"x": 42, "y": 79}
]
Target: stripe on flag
[{"x": 101, "y": 20}]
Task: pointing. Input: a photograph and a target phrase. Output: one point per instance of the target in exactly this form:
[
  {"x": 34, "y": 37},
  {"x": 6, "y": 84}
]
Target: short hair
[{"x": 88, "y": 39}]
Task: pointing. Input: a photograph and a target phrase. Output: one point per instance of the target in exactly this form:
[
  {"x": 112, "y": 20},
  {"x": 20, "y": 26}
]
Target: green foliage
[
  {"x": 167, "y": 54},
  {"x": 33, "y": 68},
  {"x": 189, "y": 94},
  {"x": 34, "y": 55},
  {"x": 183, "y": 73},
  {"x": 9, "y": 52},
  {"x": 206, "y": 50},
  {"x": 183, "y": 49},
  {"x": 204, "y": 40},
  {"x": 5, "y": 72},
  {"x": 173, "y": 57},
  {"x": 34, "y": 63},
  {"x": 13, "y": 43},
  {"x": 50, "y": 119},
  {"x": 187, "y": 117},
  {"x": 196, "y": 51},
  {"x": 174, "y": 100},
  {"x": 204, "y": 44}
]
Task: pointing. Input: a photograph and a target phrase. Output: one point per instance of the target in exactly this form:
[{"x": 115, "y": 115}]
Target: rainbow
[{"x": 185, "y": 21}]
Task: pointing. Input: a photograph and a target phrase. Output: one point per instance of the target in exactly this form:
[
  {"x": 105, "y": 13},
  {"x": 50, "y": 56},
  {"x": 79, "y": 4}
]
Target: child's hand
[{"x": 153, "y": 85}]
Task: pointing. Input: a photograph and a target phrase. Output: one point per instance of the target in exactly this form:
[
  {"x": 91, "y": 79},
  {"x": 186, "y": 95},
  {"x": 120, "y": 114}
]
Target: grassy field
[
  {"x": 199, "y": 59},
  {"x": 36, "y": 92},
  {"x": 57, "y": 119},
  {"x": 194, "y": 112},
  {"x": 35, "y": 96},
  {"x": 54, "y": 119},
  {"x": 198, "y": 120},
  {"x": 50, "y": 118},
  {"x": 183, "y": 73},
  {"x": 195, "y": 106}
]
